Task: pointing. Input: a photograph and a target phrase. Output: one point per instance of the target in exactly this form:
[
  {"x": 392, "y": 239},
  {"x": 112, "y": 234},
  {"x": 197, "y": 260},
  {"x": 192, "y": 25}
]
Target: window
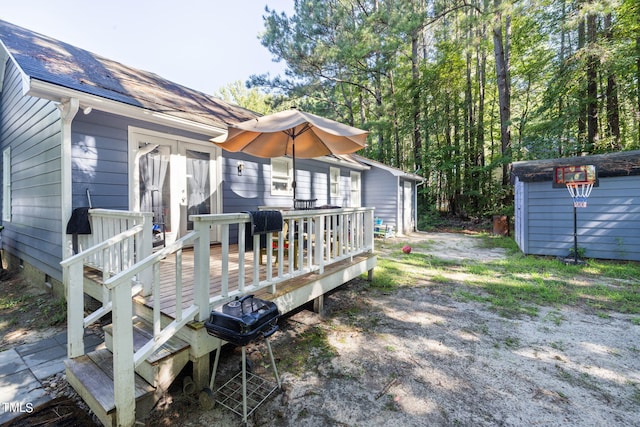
[
  {"x": 6, "y": 185},
  {"x": 356, "y": 198},
  {"x": 334, "y": 183},
  {"x": 281, "y": 177}
]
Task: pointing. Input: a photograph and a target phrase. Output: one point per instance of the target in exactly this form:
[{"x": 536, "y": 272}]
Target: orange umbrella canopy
[{"x": 292, "y": 133}]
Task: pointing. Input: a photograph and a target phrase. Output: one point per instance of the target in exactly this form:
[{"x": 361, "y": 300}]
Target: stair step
[
  {"x": 91, "y": 375},
  {"x": 142, "y": 333}
]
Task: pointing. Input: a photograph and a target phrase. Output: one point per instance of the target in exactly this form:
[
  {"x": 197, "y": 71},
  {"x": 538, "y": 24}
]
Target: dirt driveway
[{"x": 417, "y": 356}]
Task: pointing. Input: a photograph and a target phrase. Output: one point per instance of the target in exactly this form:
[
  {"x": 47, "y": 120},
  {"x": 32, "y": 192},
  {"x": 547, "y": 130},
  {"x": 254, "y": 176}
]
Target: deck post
[
  {"x": 123, "y": 365},
  {"x": 201, "y": 268},
  {"x": 144, "y": 249},
  {"x": 201, "y": 371},
  {"x": 318, "y": 304},
  {"x": 368, "y": 230},
  {"x": 73, "y": 275},
  {"x": 319, "y": 239}
]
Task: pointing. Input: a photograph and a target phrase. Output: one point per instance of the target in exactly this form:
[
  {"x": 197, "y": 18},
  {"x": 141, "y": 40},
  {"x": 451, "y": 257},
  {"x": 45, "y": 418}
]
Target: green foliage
[
  {"x": 252, "y": 99},
  {"x": 422, "y": 78}
]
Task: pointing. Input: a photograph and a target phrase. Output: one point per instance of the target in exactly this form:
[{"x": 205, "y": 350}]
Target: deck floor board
[{"x": 168, "y": 282}]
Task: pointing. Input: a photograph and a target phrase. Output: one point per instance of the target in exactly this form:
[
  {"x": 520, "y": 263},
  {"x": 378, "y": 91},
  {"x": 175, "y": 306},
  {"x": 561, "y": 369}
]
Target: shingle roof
[
  {"x": 622, "y": 163},
  {"x": 49, "y": 60},
  {"x": 394, "y": 171}
]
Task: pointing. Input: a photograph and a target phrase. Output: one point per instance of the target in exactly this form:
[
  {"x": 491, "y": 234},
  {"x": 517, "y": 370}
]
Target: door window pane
[
  {"x": 198, "y": 185},
  {"x": 155, "y": 195}
]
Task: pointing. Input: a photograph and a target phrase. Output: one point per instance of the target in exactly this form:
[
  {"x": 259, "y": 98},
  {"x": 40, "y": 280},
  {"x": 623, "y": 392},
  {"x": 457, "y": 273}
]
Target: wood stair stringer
[{"x": 165, "y": 364}]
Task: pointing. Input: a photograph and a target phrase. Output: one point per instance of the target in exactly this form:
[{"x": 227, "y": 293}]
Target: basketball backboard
[{"x": 580, "y": 174}]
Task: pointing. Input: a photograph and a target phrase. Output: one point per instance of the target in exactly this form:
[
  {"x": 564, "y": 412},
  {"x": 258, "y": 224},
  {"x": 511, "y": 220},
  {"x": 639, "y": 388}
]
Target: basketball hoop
[
  {"x": 580, "y": 192},
  {"x": 579, "y": 180}
]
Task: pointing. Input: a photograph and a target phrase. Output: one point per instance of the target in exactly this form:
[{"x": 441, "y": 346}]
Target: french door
[{"x": 173, "y": 178}]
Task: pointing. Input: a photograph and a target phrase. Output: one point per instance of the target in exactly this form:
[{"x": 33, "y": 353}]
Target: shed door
[
  {"x": 407, "y": 208},
  {"x": 520, "y": 215},
  {"x": 174, "y": 179}
]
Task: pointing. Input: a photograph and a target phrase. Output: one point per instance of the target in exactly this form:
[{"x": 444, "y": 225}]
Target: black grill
[{"x": 244, "y": 320}]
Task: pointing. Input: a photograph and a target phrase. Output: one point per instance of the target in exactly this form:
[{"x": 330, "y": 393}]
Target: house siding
[
  {"x": 253, "y": 188},
  {"x": 381, "y": 190},
  {"x": 100, "y": 144},
  {"x": 32, "y": 128},
  {"x": 100, "y": 161},
  {"x": 608, "y": 228}
]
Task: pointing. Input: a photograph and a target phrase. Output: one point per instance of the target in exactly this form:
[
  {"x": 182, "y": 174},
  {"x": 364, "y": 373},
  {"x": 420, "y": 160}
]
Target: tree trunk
[
  {"x": 613, "y": 111},
  {"x": 415, "y": 76},
  {"x": 638, "y": 83},
  {"x": 501, "y": 50},
  {"x": 592, "y": 86},
  {"x": 582, "y": 114}
]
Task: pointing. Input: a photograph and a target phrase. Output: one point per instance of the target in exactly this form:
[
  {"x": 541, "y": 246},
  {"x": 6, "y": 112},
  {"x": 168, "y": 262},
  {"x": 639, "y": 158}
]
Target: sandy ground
[{"x": 416, "y": 356}]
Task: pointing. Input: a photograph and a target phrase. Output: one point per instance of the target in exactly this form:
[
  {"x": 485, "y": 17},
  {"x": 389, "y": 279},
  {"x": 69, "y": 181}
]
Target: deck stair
[
  {"x": 91, "y": 375},
  {"x": 165, "y": 364}
]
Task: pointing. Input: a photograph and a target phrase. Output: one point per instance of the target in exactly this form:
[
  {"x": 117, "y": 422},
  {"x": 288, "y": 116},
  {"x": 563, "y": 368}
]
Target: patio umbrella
[{"x": 292, "y": 133}]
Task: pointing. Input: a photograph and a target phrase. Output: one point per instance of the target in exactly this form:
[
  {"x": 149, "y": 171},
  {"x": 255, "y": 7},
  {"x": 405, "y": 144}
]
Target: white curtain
[
  {"x": 198, "y": 173},
  {"x": 153, "y": 170},
  {"x": 198, "y": 184}
]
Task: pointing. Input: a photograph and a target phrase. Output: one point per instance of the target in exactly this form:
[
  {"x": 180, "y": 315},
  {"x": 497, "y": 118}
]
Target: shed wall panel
[{"x": 608, "y": 228}]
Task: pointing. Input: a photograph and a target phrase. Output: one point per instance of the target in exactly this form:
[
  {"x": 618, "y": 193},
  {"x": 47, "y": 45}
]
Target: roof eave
[{"x": 57, "y": 93}]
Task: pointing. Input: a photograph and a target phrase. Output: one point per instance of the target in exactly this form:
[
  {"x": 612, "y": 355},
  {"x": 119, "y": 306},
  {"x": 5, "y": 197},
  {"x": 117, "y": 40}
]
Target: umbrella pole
[{"x": 293, "y": 152}]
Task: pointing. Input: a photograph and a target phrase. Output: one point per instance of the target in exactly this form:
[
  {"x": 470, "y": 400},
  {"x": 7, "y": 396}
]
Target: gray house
[
  {"x": 608, "y": 227},
  {"x": 393, "y": 193},
  {"x": 79, "y": 130}
]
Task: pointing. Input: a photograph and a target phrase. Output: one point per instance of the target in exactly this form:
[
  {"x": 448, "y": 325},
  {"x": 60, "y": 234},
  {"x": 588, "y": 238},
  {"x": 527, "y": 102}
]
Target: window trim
[
  {"x": 289, "y": 178},
  {"x": 334, "y": 184},
  {"x": 355, "y": 180}
]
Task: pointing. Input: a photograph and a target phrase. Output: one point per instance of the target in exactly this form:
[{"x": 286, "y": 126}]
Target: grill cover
[{"x": 243, "y": 320}]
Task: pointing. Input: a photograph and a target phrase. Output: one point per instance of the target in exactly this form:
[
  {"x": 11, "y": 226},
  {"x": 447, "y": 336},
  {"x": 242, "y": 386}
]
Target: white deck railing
[{"x": 314, "y": 240}]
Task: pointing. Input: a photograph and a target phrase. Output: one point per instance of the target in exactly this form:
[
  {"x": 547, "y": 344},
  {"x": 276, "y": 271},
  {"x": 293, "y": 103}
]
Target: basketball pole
[{"x": 575, "y": 235}]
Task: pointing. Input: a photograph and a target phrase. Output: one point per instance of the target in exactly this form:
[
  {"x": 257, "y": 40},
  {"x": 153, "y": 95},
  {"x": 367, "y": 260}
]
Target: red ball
[{"x": 406, "y": 249}]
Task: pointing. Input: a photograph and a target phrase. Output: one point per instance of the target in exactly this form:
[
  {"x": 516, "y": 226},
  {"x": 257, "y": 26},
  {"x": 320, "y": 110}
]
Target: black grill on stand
[{"x": 241, "y": 322}]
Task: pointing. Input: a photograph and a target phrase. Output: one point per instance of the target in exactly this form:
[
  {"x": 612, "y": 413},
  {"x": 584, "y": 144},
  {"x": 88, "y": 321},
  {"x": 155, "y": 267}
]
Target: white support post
[
  {"x": 241, "y": 254},
  {"x": 201, "y": 268},
  {"x": 256, "y": 260},
  {"x": 368, "y": 230},
  {"x": 320, "y": 242},
  {"x": 75, "y": 309},
  {"x": 268, "y": 247},
  {"x": 225, "y": 260},
  {"x": 292, "y": 238},
  {"x": 145, "y": 247},
  {"x": 123, "y": 366}
]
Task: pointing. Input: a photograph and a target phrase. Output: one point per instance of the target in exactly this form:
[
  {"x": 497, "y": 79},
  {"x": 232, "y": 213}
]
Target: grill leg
[
  {"x": 215, "y": 367},
  {"x": 273, "y": 363},
  {"x": 244, "y": 385}
]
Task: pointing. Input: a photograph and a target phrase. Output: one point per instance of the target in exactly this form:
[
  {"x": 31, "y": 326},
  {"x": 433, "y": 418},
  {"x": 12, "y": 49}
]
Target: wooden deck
[
  {"x": 175, "y": 288},
  {"x": 168, "y": 279}
]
